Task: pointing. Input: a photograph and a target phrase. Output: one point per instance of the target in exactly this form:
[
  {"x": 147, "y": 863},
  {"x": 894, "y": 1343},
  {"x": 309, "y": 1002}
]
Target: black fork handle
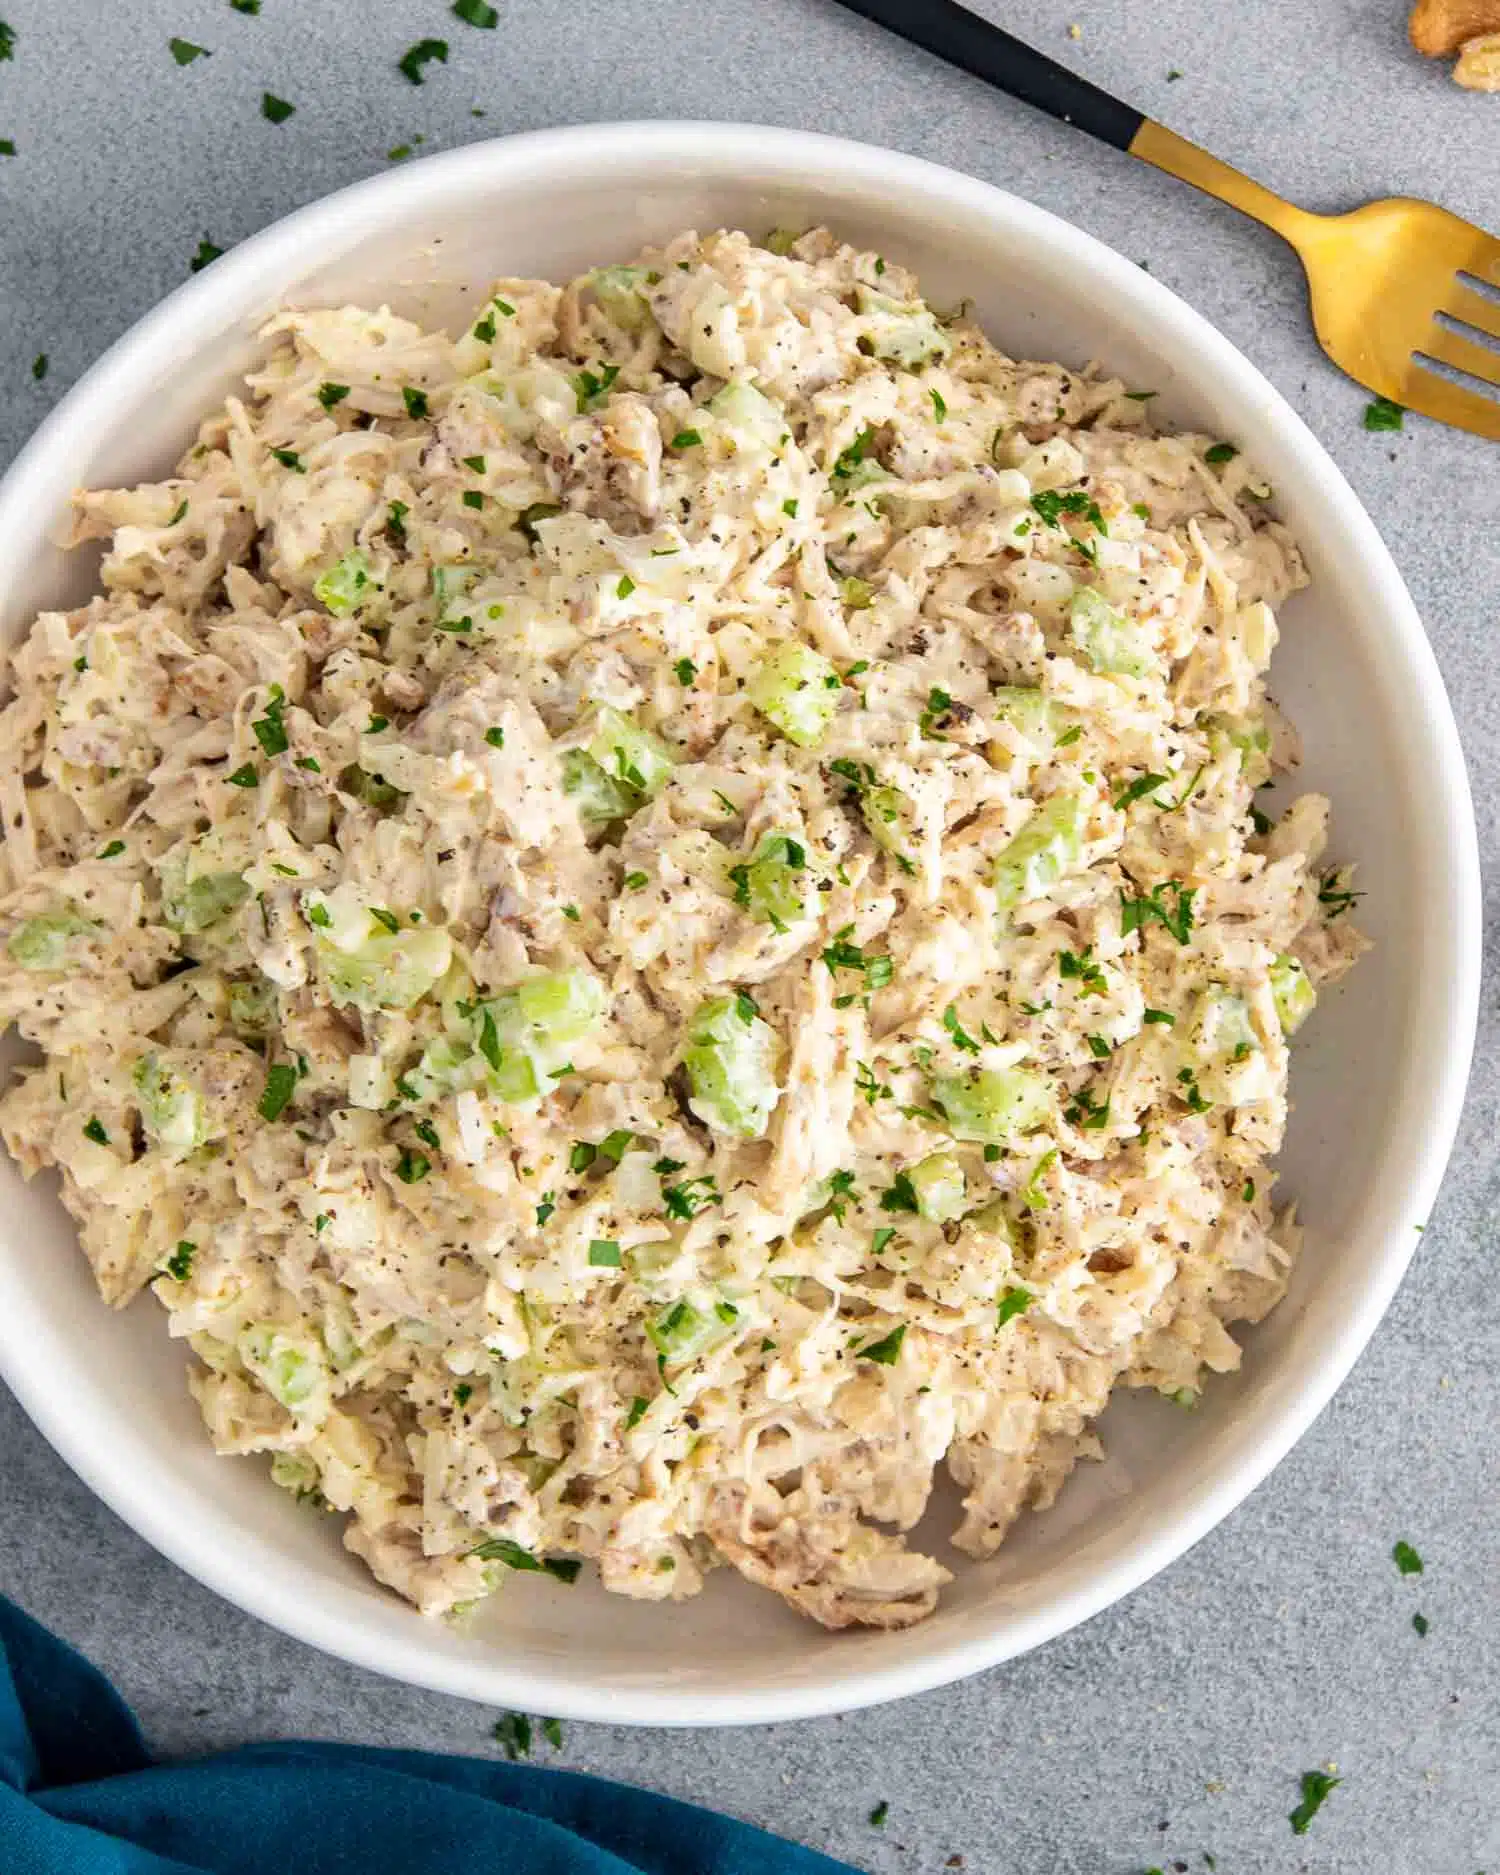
[{"x": 964, "y": 39}]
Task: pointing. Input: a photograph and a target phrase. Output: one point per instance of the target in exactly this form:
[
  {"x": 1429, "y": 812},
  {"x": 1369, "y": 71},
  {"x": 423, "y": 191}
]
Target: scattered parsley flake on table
[
  {"x": 879, "y": 1814},
  {"x": 39, "y": 366},
  {"x": 7, "y": 42},
  {"x": 206, "y": 252},
  {"x": 1406, "y": 1559},
  {"x": 1383, "y": 414},
  {"x": 1315, "y": 1788},
  {"x": 7, "y": 146},
  {"x": 275, "y": 110},
  {"x": 184, "y": 51},
  {"x": 475, "y": 12},
  {"x": 422, "y": 53},
  {"x": 245, "y": 6}
]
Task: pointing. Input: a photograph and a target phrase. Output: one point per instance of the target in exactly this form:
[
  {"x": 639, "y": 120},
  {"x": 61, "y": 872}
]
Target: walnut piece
[{"x": 1442, "y": 27}]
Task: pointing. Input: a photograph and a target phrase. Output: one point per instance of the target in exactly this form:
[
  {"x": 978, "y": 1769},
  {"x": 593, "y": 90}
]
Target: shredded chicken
[{"x": 651, "y": 923}]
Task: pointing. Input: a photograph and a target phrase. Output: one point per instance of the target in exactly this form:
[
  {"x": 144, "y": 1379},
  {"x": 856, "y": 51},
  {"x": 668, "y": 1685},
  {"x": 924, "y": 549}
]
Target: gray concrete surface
[{"x": 1174, "y": 1726}]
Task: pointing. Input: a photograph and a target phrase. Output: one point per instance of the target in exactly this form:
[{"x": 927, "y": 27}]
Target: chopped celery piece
[
  {"x": 289, "y": 1367},
  {"x": 42, "y": 943},
  {"x": 730, "y": 1062},
  {"x": 772, "y": 884},
  {"x": 252, "y": 1007},
  {"x": 171, "y": 1107},
  {"x": 743, "y": 408},
  {"x": 798, "y": 690},
  {"x": 632, "y": 755},
  {"x": 1045, "y": 848},
  {"x": 1292, "y": 989},
  {"x": 600, "y": 799},
  {"x": 938, "y": 1183},
  {"x": 993, "y": 1104},
  {"x": 1032, "y": 713},
  {"x": 619, "y": 290},
  {"x": 449, "y": 584},
  {"x": 684, "y": 1331},
  {"x": 522, "y": 1037},
  {"x": 905, "y": 332},
  {"x": 1221, "y": 1050},
  {"x": 891, "y": 817},
  {"x": 366, "y": 964},
  {"x": 563, "y": 1006},
  {"x": 199, "y": 903},
  {"x": 1251, "y": 739},
  {"x": 782, "y": 240},
  {"x": 1108, "y": 640},
  {"x": 342, "y": 587},
  {"x": 296, "y": 1474}
]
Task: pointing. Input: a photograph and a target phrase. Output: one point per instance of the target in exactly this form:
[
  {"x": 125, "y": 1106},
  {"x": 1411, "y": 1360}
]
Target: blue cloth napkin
[{"x": 81, "y": 1795}]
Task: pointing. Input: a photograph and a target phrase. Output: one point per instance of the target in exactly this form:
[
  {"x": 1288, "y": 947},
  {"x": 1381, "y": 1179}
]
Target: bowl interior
[{"x": 1375, "y": 1081}]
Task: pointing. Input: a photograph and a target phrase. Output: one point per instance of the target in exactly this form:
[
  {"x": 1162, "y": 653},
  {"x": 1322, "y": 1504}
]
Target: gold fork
[{"x": 1395, "y": 285}]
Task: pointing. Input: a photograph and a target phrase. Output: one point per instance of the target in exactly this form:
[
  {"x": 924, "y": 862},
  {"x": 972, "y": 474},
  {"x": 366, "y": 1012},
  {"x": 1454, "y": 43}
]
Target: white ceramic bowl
[{"x": 1377, "y": 1083}]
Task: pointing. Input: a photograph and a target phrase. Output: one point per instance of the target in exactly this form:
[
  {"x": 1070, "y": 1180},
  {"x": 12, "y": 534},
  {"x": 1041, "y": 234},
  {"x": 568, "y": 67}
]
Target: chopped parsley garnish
[
  {"x": 1012, "y": 1303},
  {"x": 472, "y": 498},
  {"x": 289, "y": 459},
  {"x": 206, "y": 252},
  {"x": 590, "y": 387},
  {"x": 887, "y": 1350},
  {"x": 545, "y": 1209},
  {"x": 1081, "y": 966},
  {"x": 114, "y": 848},
  {"x": 939, "y": 703},
  {"x": 879, "y": 1814},
  {"x": 1036, "y": 1009},
  {"x": 428, "y": 1134},
  {"x": 1160, "y": 1015},
  {"x": 872, "y": 1089},
  {"x": 939, "y": 408},
  {"x": 7, "y": 146},
  {"x": 462, "y": 1394},
  {"x": 475, "y": 13},
  {"x": 625, "y": 588},
  {"x": 94, "y": 1130},
  {"x": 415, "y": 401},
  {"x": 1247, "y": 1192},
  {"x": 270, "y": 731},
  {"x": 1086, "y": 1113},
  {"x": 1191, "y": 1093},
  {"x": 281, "y": 1081},
  {"x": 1152, "y": 907},
  {"x": 604, "y": 1254},
  {"x": 422, "y": 53},
  {"x": 395, "y": 520},
  {"x": 184, "y": 51},
  {"x": 1099, "y": 1048},
  {"x": 881, "y": 1238},
  {"x": 901, "y": 1195},
  {"x": 691, "y": 1196},
  {"x": 789, "y": 507},
  {"x": 634, "y": 881},
  {"x": 247, "y": 776},
  {"x": 1406, "y": 1559},
  {"x": 686, "y": 439},
  {"x": 848, "y": 460},
  {"x": 376, "y": 724},
  {"x": 178, "y": 512},
  {"x": 842, "y": 955},
  {"x": 39, "y": 366},
  {"x": 1070, "y": 736},
  {"x": 179, "y": 1266},
  {"x": 1383, "y": 414},
  {"x": 551, "y": 1728},
  {"x": 387, "y": 918},
  {"x": 495, "y": 737},
  {"x": 1334, "y": 894},
  {"x": 512, "y": 1730},
  {"x": 1138, "y": 790},
  {"x": 1051, "y": 504},
  {"x": 637, "y": 1411},
  {"x": 1420, "y": 1623},
  {"x": 275, "y": 110},
  {"x": 1315, "y": 1788},
  {"x": 961, "y": 1037},
  {"x": 686, "y": 671},
  {"x": 412, "y": 1167},
  {"x": 1220, "y": 452},
  {"x": 484, "y": 329}
]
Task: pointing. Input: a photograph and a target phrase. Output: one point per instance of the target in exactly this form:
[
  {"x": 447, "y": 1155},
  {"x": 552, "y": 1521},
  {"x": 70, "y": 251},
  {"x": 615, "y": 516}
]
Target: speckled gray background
[{"x": 1176, "y": 1723}]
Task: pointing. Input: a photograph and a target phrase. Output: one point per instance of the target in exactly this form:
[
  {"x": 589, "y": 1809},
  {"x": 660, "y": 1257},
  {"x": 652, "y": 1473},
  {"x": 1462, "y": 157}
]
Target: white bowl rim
[{"x": 198, "y": 310}]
